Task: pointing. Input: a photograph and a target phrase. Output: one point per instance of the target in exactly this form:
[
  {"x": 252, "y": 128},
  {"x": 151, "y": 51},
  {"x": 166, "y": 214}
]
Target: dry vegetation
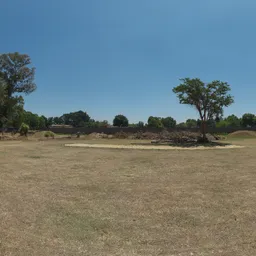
[{"x": 77, "y": 201}]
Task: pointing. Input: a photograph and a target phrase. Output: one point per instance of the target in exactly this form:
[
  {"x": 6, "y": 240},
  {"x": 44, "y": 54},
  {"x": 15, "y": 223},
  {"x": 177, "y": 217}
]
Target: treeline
[
  {"x": 82, "y": 119},
  {"x": 17, "y": 79}
]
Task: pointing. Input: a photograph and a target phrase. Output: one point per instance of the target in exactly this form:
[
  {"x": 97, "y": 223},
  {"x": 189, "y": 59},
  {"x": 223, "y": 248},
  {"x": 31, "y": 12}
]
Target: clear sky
[{"x": 108, "y": 57}]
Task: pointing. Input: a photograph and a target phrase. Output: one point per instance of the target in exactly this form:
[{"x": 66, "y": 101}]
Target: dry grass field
[{"x": 57, "y": 200}]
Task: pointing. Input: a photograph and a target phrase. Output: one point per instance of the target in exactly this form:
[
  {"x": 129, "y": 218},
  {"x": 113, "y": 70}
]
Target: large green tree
[
  {"x": 120, "y": 121},
  {"x": 209, "y": 99},
  {"x": 18, "y": 76}
]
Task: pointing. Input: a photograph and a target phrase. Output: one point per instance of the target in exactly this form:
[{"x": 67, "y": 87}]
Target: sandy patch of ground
[{"x": 149, "y": 147}]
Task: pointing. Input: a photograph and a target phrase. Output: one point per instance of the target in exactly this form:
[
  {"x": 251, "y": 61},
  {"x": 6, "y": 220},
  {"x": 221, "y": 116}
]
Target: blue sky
[{"x": 108, "y": 57}]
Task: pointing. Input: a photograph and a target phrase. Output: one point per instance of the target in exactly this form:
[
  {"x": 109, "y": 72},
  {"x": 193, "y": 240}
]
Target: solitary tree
[
  {"x": 208, "y": 99},
  {"x": 120, "y": 121}
]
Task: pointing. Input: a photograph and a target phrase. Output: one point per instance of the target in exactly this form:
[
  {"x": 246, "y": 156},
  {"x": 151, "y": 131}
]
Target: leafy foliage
[
  {"x": 168, "y": 122},
  {"x": 159, "y": 122},
  {"x": 155, "y": 122},
  {"x": 248, "y": 120},
  {"x": 121, "y": 121},
  {"x": 24, "y": 128},
  {"x": 191, "y": 123},
  {"x": 233, "y": 121},
  {"x": 181, "y": 125},
  {"x": 34, "y": 121},
  {"x": 15, "y": 70}
]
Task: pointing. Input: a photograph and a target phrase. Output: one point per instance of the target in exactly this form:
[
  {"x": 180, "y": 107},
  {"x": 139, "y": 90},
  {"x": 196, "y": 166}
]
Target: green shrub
[
  {"x": 49, "y": 134},
  {"x": 24, "y": 129}
]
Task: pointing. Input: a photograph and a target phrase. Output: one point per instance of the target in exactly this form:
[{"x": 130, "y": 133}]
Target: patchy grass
[{"x": 78, "y": 201}]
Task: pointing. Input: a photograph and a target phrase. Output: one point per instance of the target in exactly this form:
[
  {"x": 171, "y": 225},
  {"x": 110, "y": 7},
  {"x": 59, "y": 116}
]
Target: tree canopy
[
  {"x": 76, "y": 119},
  {"x": 155, "y": 122},
  {"x": 16, "y": 72},
  {"x": 18, "y": 77},
  {"x": 120, "y": 121},
  {"x": 248, "y": 120},
  {"x": 191, "y": 123},
  {"x": 168, "y": 122}
]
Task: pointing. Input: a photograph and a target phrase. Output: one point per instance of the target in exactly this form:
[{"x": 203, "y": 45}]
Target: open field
[{"x": 57, "y": 200}]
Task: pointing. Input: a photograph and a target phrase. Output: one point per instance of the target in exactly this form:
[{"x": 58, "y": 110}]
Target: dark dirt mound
[{"x": 244, "y": 133}]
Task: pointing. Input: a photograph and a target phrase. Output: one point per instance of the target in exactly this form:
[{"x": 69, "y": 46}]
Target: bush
[
  {"x": 49, "y": 134},
  {"x": 24, "y": 129}
]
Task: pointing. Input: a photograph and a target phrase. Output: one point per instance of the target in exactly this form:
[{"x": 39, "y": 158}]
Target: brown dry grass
[{"x": 77, "y": 201}]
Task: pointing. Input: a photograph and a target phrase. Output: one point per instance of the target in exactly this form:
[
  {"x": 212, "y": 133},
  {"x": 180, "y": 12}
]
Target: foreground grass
[{"x": 77, "y": 201}]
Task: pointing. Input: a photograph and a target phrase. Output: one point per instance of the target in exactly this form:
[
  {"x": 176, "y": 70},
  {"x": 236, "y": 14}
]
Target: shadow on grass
[
  {"x": 197, "y": 144},
  {"x": 187, "y": 144}
]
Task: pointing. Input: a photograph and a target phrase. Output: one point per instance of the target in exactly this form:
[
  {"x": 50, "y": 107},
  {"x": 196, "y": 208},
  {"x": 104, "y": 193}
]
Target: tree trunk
[{"x": 203, "y": 130}]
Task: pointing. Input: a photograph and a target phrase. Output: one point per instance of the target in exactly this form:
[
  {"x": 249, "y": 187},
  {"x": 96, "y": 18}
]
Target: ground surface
[
  {"x": 57, "y": 200},
  {"x": 150, "y": 146}
]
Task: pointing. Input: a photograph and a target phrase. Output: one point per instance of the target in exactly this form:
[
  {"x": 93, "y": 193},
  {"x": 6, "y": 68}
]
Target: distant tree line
[{"x": 17, "y": 79}]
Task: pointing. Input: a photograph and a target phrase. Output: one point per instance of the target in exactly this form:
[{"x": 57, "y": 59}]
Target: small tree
[
  {"x": 208, "y": 99},
  {"x": 120, "y": 121},
  {"x": 155, "y": 122},
  {"x": 168, "y": 122},
  {"x": 248, "y": 119},
  {"x": 24, "y": 129}
]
